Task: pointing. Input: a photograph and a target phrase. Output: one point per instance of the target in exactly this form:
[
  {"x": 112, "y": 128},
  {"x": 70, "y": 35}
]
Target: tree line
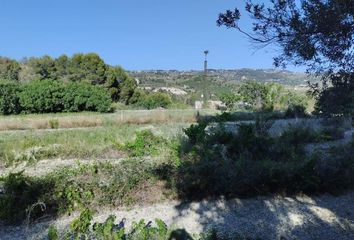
[
  {"x": 83, "y": 82},
  {"x": 84, "y": 68}
]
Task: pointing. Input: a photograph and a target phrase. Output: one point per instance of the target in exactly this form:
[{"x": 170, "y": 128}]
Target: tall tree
[
  {"x": 316, "y": 33},
  {"x": 9, "y": 69}
]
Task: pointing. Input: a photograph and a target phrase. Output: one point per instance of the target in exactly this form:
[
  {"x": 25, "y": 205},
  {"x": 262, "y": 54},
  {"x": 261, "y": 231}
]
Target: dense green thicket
[
  {"x": 88, "y": 68},
  {"x": 47, "y": 96},
  {"x": 9, "y": 99}
]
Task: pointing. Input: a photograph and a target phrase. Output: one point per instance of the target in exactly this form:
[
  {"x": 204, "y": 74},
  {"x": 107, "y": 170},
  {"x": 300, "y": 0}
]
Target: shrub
[
  {"x": 49, "y": 96},
  {"x": 9, "y": 100},
  {"x": 145, "y": 143},
  {"x": 20, "y": 193},
  {"x": 83, "y": 228},
  {"x": 250, "y": 162},
  {"x": 84, "y": 97},
  {"x": 196, "y": 133},
  {"x": 155, "y": 100},
  {"x": 42, "y": 97}
]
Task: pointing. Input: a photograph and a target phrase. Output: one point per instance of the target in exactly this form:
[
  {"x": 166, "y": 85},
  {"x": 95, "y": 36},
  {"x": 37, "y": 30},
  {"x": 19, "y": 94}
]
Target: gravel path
[{"x": 300, "y": 217}]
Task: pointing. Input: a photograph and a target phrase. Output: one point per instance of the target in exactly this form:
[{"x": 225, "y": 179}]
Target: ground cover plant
[
  {"x": 97, "y": 143},
  {"x": 84, "y": 227}
]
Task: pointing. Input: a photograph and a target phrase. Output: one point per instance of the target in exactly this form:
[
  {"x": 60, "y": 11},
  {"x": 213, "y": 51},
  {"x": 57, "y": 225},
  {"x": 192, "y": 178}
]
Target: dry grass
[{"x": 85, "y": 120}]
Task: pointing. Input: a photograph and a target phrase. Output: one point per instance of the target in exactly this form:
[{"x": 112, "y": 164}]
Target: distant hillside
[{"x": 156, "y": 78}]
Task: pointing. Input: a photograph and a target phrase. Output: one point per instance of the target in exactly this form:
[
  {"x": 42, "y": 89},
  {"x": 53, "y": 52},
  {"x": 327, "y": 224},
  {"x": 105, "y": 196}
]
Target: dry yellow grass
[{"x": 84, "y": 120}]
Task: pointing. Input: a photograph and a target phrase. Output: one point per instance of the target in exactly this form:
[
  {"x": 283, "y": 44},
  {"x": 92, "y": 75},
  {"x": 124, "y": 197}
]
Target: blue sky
[{"x": 136, "y": 34}]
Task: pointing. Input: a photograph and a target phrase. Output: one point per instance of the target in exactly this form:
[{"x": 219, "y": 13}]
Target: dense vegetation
[
  {"x": 254, "y": 96},
  {"x": 49, "y": 96},
  {"x": 89, "y": 68},
  {"x": 80, "y": 83},
  {"x": 251, "y": 162}
]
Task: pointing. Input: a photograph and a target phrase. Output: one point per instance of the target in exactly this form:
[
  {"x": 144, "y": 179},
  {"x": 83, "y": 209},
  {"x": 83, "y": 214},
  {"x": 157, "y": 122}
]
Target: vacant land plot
[{"x": 83, "y": 120}]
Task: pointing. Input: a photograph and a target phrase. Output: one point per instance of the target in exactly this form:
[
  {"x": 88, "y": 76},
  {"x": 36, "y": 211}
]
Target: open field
[{"x": 89, "y": 119}]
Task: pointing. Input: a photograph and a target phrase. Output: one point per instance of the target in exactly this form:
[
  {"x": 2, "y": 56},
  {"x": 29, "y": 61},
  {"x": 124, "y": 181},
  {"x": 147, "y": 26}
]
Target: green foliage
[
  {"x": 20, "y": 193},
  {"x": 140, "y": 230},
  {"x": 138, "y": 96},
  {"x": 145, "y": 143},
  {"x": 230, "y": 100},
  {"x": 53, "y": 233},
  {"x": 127, "y": 85},
  {"x": 48, "y": 96},
  {"x": 42, "y": 97},
  {"x": 106, "y": 231},
  {"x": 9, "y": 69},
  {"x": 254, "y": 94},
  {"x": 317, "y": 34},
  {"x": 314, "y": 33},
  {"x": 152, "y": 100},
  {"x": 83, "y": 68},
  {"x": 264, "y": 97},
  {"x": 80, "y": 227},
  {"x": 196, "y": 132},
  {"x": 71, "y": 189},
  {"x": 79, "y": 97},
  {"x": 9, "y": 100}
]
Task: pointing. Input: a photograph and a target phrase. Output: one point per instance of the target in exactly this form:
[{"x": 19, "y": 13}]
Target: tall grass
[
  {"x": 75, "y": 143},
  {"x": 83, "y": 120}
]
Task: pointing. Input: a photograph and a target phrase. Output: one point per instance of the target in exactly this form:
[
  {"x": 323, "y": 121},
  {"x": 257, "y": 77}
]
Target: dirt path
[
  {"x": 44, "y": 167},
  {"x": 301, "y": 217}
]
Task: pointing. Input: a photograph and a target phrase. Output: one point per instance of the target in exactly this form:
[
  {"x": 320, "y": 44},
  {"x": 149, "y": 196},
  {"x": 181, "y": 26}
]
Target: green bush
[
  {"x": 154, "y": 100},
  {"x": 79, "y": 97},
  {"x": 42, "y": 97},
  {"x": 49, "y": 96},
  {"x": 196, "y": 132},
  {"x": 20, "y": 194},
  {"x": 145, "y": 143},
  {"x": 9, "y": 100}
]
